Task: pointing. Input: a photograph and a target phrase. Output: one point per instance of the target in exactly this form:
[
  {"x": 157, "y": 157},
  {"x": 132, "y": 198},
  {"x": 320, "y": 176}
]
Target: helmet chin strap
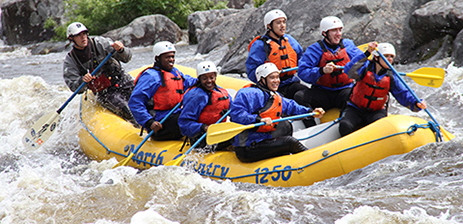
[
  {"x": 376, "y": 59},
  {"x": 271, "y": 30},
  {"x": 263, "y": 81},
  {"x": 327, "y": 40}
]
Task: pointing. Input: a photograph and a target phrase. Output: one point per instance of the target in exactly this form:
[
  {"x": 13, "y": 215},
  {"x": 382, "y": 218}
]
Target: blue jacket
[
  {"x": 194, "y": 102},
  {"x": 248, "y": 101},
  {"x": 309, "y": 71},
  {"x": 359, "y": 64},
  {"x": 147, "y": 85},
  {"x": 257, "y": 57}
]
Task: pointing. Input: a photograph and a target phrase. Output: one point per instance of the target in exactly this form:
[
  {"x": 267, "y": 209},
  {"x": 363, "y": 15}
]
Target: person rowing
[{"x": 261, "y": 102}]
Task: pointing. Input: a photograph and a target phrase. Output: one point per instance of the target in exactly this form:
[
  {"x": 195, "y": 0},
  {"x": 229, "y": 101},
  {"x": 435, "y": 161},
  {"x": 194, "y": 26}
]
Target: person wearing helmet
[
  {"x": 374, "y": 80},
  {"x": 111, "y": 85},
  {"x": 279, "y": 48},
  {"x": 330, "y": 86},
  {"x": 204, "y": 104},
  {"x": 158, "y": 89},
  {"x": 261, "y": 102}
]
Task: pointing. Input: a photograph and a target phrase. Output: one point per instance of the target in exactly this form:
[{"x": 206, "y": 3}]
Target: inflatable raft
[{"x": 105, "y": 136}]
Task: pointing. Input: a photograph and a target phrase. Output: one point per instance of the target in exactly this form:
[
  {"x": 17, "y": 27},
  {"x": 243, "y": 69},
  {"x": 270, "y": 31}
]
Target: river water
[{"x": 57, "y": 183}]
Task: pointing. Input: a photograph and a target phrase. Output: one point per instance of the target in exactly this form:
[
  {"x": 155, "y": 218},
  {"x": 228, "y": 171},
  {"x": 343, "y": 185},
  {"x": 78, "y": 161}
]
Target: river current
[{"x": 58, "y": 183}]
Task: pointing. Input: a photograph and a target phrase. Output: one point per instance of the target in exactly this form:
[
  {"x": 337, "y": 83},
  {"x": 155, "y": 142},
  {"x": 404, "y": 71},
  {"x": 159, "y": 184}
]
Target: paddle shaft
[
  {"x": 84, "y": 83},
  {"x": 289, "y": 69},
  {"x": 411, "y": 75},
  {"x": 242, "y": 128},
  {"x": 204, "y": 135},
  {"x": 152, "y": 132},
  {"x": 405, "y": 84}
]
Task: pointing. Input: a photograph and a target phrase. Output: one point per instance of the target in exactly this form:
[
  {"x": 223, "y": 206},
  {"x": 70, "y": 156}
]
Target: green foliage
[
  {"x": 100, "y": 16},
  {"x": 258, "y": 3},
  {"x": 50, "y": 23}
]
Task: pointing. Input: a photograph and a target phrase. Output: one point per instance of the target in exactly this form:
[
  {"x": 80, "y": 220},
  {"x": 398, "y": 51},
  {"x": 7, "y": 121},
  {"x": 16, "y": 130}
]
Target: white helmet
[
  {"x": 272, "y": 15},
  {"x": 330, "y": 22},
  {"x": 385, "y": 48},
  {"x": 163, "y": 47},
  {"x": 75, "y": 28},
  {"x": 205, "y": 67},
  {"x": 266, "y": 69}
]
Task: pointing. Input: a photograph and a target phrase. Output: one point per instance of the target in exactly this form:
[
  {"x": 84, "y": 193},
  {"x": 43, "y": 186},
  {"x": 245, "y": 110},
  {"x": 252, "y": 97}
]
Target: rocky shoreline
[{"x": 420, "y": 30}]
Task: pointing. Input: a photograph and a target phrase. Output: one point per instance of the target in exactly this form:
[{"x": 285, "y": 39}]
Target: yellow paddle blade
[
  {"x": 432, "y": 77},
  {"x": 447, "y": 135},
  {"x": 221, "y": 132},
  {"x": 363, "y": 48},
  {"x": 124, "y": 161},
  {"x": 175, "y": 162}
]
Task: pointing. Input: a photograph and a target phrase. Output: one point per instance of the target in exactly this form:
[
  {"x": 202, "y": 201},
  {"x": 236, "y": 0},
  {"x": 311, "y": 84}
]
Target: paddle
[
  {"x": 222, "y": 132},
  {"x": 412, "y": 92},
  {"x": 289, "y": 69},
  {"x": 427, "y": 76},
  {"x": 179, "y": 160},
  {"x": 46, "y": 125},
  {"x": 128, "y": 158}
]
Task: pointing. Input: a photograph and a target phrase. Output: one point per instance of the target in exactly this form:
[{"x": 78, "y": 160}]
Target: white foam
[{"x": 375, "y": 215}]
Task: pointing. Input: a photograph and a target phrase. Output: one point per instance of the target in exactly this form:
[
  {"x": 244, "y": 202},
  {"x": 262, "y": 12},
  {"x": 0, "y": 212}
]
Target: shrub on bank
[{"x": 100, "y": 16}]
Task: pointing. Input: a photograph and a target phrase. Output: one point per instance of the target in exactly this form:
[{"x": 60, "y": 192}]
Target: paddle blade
[
  {"x": 41, "y": 131},
  {"x": 363, "y": 48},
  {"x": 221, "y": 132},
  {"x": 447, "y": 135},
  {"x": 124, "y": 161},
  {"x": 431, "y": 77},
  {"x": 176, "y": 162}
]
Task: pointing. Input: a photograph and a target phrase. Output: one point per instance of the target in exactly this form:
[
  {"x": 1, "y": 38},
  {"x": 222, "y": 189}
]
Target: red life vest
[
  {"x": 218, "y": 104},
  {"x": 337, "y": 78},
  {"x": 170, "y": 93},
  {"x": 283, "y": 56},
  {"x": 273, "y": 109},
  {"x": 99, "y": 84},
  {"x": 369, "y": 94}
]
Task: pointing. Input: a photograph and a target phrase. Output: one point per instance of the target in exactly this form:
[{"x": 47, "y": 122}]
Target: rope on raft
[{"x": 410, "y": 131}]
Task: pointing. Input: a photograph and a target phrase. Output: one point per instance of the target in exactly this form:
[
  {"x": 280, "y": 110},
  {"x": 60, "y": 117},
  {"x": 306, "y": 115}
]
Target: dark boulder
[{"x": 23, "y": 20}]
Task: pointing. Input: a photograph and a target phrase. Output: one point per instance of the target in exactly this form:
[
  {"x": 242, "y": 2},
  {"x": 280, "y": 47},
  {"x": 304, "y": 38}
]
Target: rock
[
  {"x": 433, "y": 24},
  {"x": 223, "y": 31},
  {"x": 50, "y": 47},
  {"x": 457, "y": 54},
  {"x": 240, "y": 4},
  {"x": 198, "y": 21},
  {"x": 147, "y": 30},
  {"x": 436, "y": 19},
  {"x": 364, "y": 21},
  {"x": 23, "y": 20}
]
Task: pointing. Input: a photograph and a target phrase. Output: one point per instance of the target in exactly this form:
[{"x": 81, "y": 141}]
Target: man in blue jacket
[
  {"x": 157, "y": 91},
  {"x": 279, "y": 48},
  {"x": 330, "y": 87},
  {"x": 204, "y": 104},
  {"x": 262, "y": 103}
]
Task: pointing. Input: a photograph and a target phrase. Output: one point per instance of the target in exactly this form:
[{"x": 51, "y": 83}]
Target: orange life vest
[
  {"x": 218, "y": 104},
  {"x": 337, "y": 78},
  {"x": 369, "y": 94},
  {"x": 170, "y": 93},
  {"x": 273, "y": 109},
  {"x": 283, "y": 56}
]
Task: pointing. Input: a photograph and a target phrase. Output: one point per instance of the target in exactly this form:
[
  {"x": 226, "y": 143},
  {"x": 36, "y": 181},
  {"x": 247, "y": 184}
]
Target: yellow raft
[{"x": 105, "y": 136}]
